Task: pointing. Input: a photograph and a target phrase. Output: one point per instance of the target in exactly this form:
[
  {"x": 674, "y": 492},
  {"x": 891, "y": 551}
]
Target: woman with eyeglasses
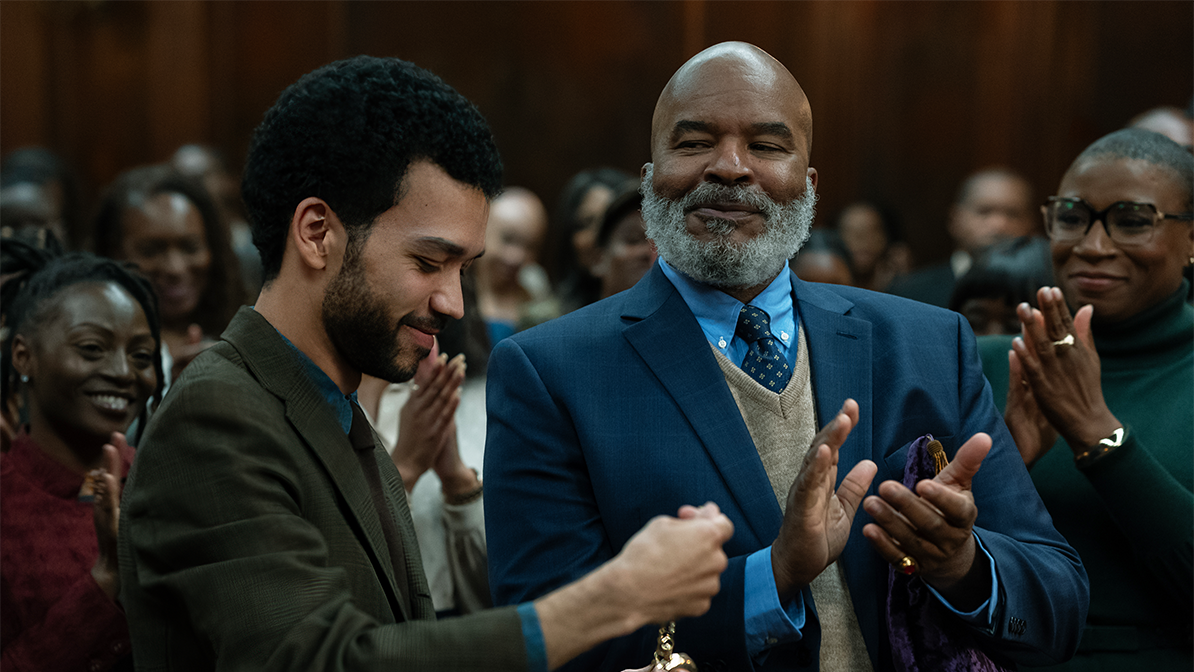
[{"x": 1099, "y": 393}]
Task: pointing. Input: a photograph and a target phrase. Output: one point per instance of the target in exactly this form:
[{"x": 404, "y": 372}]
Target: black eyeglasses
[{"x": 1127, "y": 223}]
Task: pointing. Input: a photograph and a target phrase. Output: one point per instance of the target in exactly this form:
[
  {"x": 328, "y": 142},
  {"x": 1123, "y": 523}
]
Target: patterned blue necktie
[{"x": 764, "y": 362}]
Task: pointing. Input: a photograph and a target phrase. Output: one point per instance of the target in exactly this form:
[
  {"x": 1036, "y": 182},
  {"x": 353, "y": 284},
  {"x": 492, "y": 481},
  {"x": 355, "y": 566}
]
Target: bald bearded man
[{"x": 710, "y": 378}]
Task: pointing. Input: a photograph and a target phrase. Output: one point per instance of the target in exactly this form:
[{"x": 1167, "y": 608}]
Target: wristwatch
[{"x": 1101, "y": 449}]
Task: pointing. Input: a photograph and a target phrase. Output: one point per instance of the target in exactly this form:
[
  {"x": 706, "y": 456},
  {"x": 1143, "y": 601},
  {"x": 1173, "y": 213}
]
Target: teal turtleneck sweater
[{"x": 1130, "y": 515}]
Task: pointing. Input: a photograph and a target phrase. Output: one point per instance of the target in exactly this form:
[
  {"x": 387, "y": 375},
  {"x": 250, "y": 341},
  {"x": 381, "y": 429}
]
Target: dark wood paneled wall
[{"x": 908, "y": 97}]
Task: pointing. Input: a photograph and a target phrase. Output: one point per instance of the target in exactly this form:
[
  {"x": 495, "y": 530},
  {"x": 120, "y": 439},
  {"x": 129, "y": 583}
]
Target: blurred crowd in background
[{"x": 173, "y": 240}]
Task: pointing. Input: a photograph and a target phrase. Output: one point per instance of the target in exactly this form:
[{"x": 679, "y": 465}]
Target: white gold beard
[{"x": 721, "y": 262}]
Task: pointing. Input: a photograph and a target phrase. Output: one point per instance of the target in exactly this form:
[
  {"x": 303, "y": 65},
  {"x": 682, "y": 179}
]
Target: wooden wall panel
[
  {"x": 24, "y": 73},
  {"x": 908, "y": 97}
]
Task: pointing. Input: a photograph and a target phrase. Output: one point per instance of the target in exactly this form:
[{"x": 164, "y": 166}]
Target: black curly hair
[
  {"x": 347, "y": 133},
  {"x": 224, "y": 293},
  {"x": 33, "y": 276}
]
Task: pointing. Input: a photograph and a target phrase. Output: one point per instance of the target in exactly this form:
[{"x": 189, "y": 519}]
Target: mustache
[
  {"x": 435, "y": 322},
  {"x": 710, "y": 192}
]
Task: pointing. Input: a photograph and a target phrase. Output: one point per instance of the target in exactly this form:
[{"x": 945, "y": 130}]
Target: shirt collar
[
  {"x": 341, "y": 403},
  {"x": 717, "y": 312}
]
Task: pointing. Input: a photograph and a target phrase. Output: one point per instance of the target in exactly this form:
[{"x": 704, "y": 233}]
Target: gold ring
[
  {"x": 907, "y": 565},
  {"x": 1068, "y": 340}
]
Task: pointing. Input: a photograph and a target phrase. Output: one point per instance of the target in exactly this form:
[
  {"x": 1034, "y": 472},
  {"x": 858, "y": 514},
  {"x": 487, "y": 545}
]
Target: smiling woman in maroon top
[{"x": 84, "y": 343}]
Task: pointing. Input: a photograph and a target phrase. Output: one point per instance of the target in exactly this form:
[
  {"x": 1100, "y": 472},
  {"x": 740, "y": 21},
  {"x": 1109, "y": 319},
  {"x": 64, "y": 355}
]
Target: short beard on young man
[
  {"x": 360, "y": 325},
  {"x": 721, "y": 262}
]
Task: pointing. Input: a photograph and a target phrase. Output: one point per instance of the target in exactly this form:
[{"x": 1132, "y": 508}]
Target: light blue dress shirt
[{"x": 768, "y": 623}]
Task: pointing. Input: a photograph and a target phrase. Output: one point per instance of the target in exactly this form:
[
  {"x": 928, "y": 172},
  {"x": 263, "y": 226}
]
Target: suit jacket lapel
[
  {"x": 840, "y": 354},
  {"x": 274, "y": 364},
  {"x": 666, "y": 335}
]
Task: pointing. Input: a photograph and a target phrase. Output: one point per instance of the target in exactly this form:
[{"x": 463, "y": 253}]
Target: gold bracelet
[{"x": 1104, "y": 448}]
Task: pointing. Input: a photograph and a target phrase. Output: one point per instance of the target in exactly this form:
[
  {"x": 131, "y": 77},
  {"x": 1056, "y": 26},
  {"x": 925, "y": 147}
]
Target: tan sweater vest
[{"x": 782, "y": 427}]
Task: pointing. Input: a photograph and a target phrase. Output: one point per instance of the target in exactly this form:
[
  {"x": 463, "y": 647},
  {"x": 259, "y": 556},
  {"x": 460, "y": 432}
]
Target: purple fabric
[{"x": 924, "y": 636}]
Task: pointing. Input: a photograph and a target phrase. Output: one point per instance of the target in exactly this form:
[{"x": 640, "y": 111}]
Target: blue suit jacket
[{"x": 616, "y": 413}]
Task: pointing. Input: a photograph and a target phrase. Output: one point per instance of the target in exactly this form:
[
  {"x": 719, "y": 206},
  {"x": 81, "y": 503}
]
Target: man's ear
[
  {"x": 642, "y": 172},
  {"x": 316, "y": 233},
  {"x": 812, "y": 175}
]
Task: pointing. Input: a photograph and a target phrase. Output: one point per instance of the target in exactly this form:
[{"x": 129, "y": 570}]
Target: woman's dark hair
[
  {"x": 224, "y": 292},
  {"x": 627, "y": 199},
  {"x": 1157, "y": 149},
  {"x": 888, "y": 216},
  {"x": 1011, "y": 270},
  {"x": 827, "y": 241},
  {"x": 347, "y": 133},
  {"x": 577, "y": 287},
  {"x": 33, "y": 276},
  {"x": 41, "y": 166}
]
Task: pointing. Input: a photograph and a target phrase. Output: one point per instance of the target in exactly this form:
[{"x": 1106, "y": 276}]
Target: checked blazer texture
[{"x": 250, "y": 540}]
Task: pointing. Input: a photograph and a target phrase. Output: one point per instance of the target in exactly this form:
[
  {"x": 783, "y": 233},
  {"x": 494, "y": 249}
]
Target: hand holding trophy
[{"x": 666, "y": 660}]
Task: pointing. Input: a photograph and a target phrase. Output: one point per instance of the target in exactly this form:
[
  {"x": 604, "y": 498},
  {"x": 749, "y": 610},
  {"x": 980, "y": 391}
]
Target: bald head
[
  {"x": 521, "y": 204},
  {"x": 733, "y": 68},
  {"x": 729, "y": 194},
  {"x": 517, "y": 226}
]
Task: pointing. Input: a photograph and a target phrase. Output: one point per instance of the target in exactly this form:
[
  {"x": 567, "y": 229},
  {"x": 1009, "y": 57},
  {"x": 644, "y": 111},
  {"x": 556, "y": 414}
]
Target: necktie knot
[
  {"x": 753, "y": 324},
  {"x": 764, "y": 362}
]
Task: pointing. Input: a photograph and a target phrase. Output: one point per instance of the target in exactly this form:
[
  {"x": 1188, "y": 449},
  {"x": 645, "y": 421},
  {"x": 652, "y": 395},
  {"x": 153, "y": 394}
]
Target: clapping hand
[
  {"x": 427, "y": 421},
  {"x": 1055, "y": 379},
  {"x": 934, "y": 526},
  {"x": 106, "y": 513},
  {"x": 817, "y": 520}
]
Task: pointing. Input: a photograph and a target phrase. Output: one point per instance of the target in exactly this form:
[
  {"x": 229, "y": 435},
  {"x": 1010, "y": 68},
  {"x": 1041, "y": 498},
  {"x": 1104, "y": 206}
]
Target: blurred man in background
[{"x": 992, "y": 204}]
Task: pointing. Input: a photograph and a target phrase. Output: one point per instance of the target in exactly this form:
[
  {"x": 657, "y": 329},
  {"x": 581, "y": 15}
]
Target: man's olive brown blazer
[{"x": 249, "y": 538}]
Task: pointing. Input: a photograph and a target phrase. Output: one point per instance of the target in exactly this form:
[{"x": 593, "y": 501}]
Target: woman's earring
[{"x": 24, "y": 378}]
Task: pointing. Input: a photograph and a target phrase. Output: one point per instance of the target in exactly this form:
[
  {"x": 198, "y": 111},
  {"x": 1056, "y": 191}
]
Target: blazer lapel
[
  {"x": 666, "y": 335},
  {"x": 274, "y": 364},
  {"x": 840, "y": 354}
]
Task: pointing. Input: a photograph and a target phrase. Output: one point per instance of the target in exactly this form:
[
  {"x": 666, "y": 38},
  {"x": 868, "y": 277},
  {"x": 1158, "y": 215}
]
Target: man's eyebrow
[
  {"x": 435, "y": 245},
  {"x": 686, "y": 126},
  {"x": 777, "y": 128}
]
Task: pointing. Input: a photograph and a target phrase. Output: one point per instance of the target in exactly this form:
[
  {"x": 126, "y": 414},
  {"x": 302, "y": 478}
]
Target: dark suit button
[{"x": 804, "y": 657}]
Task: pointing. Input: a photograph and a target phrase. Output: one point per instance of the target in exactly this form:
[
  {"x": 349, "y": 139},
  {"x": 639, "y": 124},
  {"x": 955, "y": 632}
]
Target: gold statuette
[{"x": 666, "y": 659}]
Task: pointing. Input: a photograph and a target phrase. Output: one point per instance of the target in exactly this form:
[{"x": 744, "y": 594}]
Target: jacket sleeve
[
  {"x": 226, "y": 559},
  {"x": 467, "y": 555},
  {"x": 1043, "y": 584},
  {"x": 545, "y": 527},
  {"x": 1135, "y": 489}
]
